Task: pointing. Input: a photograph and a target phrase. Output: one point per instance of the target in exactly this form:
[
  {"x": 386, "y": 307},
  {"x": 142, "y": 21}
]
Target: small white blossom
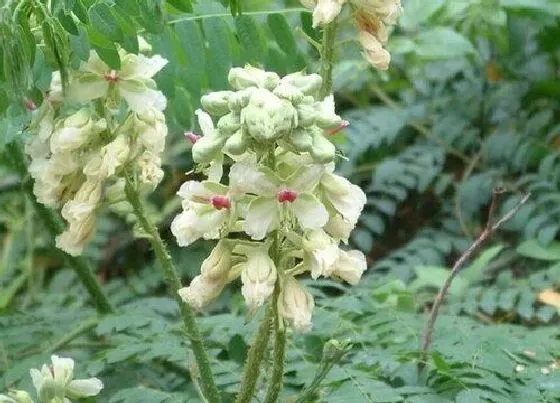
[
  {"x": 346, "y": 198},
  {"x": 321, "y": 252},
  {"x": 149, "y": 165},
  {"x": 296, "y": 305},
  {"x": 349, "y": 266},
  {"x": 326, "y": 11},
  {"x": 339, "y": 228},
  {"x": 76, "y": 130},
  {"x": 201, "y": 291},
  {"x": 258, "y": 275},
  {"x": 374, "y": 52},
  {"x": 133, "y": 81},
  {"x": 54, "y": 383}
]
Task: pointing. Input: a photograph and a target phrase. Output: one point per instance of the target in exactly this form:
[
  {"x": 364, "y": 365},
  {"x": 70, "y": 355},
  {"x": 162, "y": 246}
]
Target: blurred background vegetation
[{"x": 470, "y": 102}]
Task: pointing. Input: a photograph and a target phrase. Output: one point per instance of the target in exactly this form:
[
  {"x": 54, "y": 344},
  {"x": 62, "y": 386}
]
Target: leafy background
[{"x": 470, "y": 102}]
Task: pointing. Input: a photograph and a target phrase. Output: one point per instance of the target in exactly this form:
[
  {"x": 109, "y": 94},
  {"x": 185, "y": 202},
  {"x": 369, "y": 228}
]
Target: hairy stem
[
  {"x": 55, "y": 227},
  {"x": 254, "y": 359},
  {"x": 490, "y": 229},
  {"x": 277, "y": 378},
  {"x": 327, "y": 58},
  {"x": 209, "y": 389}
]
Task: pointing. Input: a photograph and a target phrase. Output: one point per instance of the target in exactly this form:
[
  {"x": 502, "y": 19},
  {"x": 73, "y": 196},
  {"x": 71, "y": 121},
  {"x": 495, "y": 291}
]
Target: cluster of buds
[
  {"x": 372, "y": 18},
  {"x": 54, "y": 384},
  {"x": 80, "y": 150},
  {"x": 281, "y": 192}
]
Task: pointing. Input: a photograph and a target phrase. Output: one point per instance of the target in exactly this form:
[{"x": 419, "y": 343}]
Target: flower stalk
[
  {"x": 277, "y": 377},
  {"x": 327, "y": 59},
  {"x": 190, "y": 328}
]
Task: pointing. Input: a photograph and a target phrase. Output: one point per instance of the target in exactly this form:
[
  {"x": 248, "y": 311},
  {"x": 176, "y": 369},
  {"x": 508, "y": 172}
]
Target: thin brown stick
[{"x": 460, "y": 263}]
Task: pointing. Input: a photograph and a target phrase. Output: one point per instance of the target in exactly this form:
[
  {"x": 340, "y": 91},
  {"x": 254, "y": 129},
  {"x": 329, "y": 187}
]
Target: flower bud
[
  {"x": 150, "y": 168},
  {"x": 216, "y": 103},
  {"x": 258, "y": 276},
  {"x": 201, "y": 291},
  {"x": 374, "y": 52},
  {"x": 320, "y": 252},
  {"x": 296, "y": 305},
  {"x": 371, "y": 23},
  {"x": 309, "y": 84},
  {"x": 241, "y": 78},
  {"x": 268, "y": 117},
  {"x": 229, "y": 124},
  {"x": 240, "y": 99},
  {"x": 206, "y": 148},
  {"x": 339, "y": 228},
  {"x": 237, "y": 144},
  {"x": 288, "y": 92},
  {"x": 350, "y": 266},
  {"x": 218, "y": 263},
  {"x": 302, "y": 138},
  {"x": 151, "y": 129},
  {"x": 104, "y": 163},
  {"x": 306, "y": 112},
  {"x": 333, "y": 350},
  {"x": 326, "y": 11},
  {"x": 79, "y": 232},
  {"x": 325, "y": 116},
  {"x": 75, "y": 131},
  {"x": 323, "y": 150}
]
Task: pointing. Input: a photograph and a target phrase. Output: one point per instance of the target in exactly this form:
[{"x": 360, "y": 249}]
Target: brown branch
[{"x": 460, "y": 263}]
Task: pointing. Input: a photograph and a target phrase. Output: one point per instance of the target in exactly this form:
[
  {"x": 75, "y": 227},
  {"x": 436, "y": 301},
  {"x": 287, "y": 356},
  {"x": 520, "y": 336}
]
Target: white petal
[
  {"x": 326, "y": 11},
  {"x": 63, "y": 368},
  {"x": 306, "y": 178},
  {"x": 262, "y": 217},
  {"x": 84, "y": 387},
  {"x": 37, "y": 378},
  {"x": 194, "y": 191},
  {"x": 205, "y": 122},
  {"x": 350, "y": 266},
  {"x": 245, "y": 176},
  {"x": 309, "y": 211},
  {"x": 140, "y": 96},
  {"x": 183, "y": 228},
  {"x": 140, "y": 66},
  {"x": 87, "y": 87},
  {"x": 94, "y": 64},
  {"x": 347, "y": 198}
]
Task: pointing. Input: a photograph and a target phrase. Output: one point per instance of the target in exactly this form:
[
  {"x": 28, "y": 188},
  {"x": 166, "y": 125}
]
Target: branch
[{"x": 460, "y": 263}]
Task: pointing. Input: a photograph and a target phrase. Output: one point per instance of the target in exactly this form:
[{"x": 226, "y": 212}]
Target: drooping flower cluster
[
  {"x": 371, "y": 17},
  {"x": 281, "y": 192},
  {"x": 80, "y": 148},
  {"x": 54, "y": 384}
]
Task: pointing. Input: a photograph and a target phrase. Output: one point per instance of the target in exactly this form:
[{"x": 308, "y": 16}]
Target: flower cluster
[
  {"x": 371, "y": 17},
  {"x": 54, "y": 384},
  {"x": 281, "y": 192},
  {"x": 80, "y": 148}
]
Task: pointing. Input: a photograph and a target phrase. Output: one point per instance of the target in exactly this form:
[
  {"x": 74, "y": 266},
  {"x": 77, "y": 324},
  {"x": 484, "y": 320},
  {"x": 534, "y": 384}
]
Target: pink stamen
[
  {"x": 220, "y": 202},
  {"x": 111, "y": 76},
  {"x": 343, "y": 125},
  {"x": 286, "y": 195},
  {"x": 30, "y": 105},
  {"x": 193, "y": 138}
]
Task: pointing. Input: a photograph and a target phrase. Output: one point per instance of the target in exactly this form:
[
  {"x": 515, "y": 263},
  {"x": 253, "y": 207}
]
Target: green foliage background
[{"x": 471, "y": 101}]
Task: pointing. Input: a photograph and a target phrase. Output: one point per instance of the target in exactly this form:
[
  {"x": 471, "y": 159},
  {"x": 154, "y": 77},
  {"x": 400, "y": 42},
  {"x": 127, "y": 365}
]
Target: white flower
[
  {"x": 388, "y": 10},
  {"x": 320, "y": 252},
  {"x": 258, "y": 275},
  {"x": 151, "y": 129},
  {"x": 50, "y": 176},
  {"x": 206, "y": 210},
  {"x": 296, "y": 305},
  {"x": 105, "y": 162},
  {"x": 349, "y": 266},
  {"x": 346, "y": 198},
  {"x": 207, "y": 149},
  {"x": 326, "y": 11},
  {"x": 276, "y": 197},
  {"x": 76, "y": 130},
  {"x": 150, "y": 168},
  {"x": 373, "y": 51},
  {"x": 54, "y": 382},
  {"x": 201, "y": 291},
  {"x": 133, "y": 81}
]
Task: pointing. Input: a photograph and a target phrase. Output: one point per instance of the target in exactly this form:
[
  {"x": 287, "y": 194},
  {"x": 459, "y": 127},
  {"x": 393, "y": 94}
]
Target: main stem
[
  {"x": 55, "y": 227},
  {"x": 254, "y": 359},
  {"x": 327, "y": 59},
  {"x": 208, "y": 386},
  {"x": 277, "y": 379}
]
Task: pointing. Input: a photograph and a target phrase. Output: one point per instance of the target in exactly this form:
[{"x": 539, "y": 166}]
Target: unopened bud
[
  {"x": 309, "y": 84},
  {"x": 218, "y": 263},
  {"x": 323, "y": 150},
  {"x": 237, "y": 143},
  {"x": 258, "y": 276},
  {"x": 216, "y": 103},
  {"x": 296, "y": 305},
  {"x": 343, "y": 125},
  {"x": 229, "y": 124},
  {"x": 268, "y": 117},
  {"x": 302, "y": 138},
  {"x": 241, "y": 78}
]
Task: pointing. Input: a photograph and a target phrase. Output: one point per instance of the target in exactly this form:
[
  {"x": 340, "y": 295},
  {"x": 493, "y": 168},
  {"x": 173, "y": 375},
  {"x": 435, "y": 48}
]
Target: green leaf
[
  {"x": 67, "y": 22},
  {"x": 282, "y": 33},
  {"x": 542, "y": 5},
  {"x": 219, "y": 51},
  {"x": 105, "y": 48},
  {"x": 139, "y": 395},
  {"x": 182, "y": 5},
  {"x": 442, "y": 43},
  {"x": 474, "y": 272},
  {"x": 417, "y": 12},
  {"x": 190, "y": 38},
  {"x": 250, "y": 38},
  {"x": 533, "y": 249},
  {"x": 104, "y": 21},
  {"x": 432, "y": 276}
]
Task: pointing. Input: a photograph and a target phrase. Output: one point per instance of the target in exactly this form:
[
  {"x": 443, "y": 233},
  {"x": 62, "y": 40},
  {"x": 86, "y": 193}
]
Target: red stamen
[
  {"x": 193, "y": 138},
  {"x": 30, "y": 105},
  {"x": 286, "y": 195},
  {"x": 111, "y": 76},
  {"x": 220, "y": 202},
  {"x": 343, "y": 125}
]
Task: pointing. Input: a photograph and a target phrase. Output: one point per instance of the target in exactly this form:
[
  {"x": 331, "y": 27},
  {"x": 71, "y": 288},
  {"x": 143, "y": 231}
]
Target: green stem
[
  {"x": 254, "y": 359},
  {"x": 55, "y": 227},
  {"x": 277, "y": 378},
  {"x": 327, "y": 58},
  {"x": 209, "y": 389}
]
